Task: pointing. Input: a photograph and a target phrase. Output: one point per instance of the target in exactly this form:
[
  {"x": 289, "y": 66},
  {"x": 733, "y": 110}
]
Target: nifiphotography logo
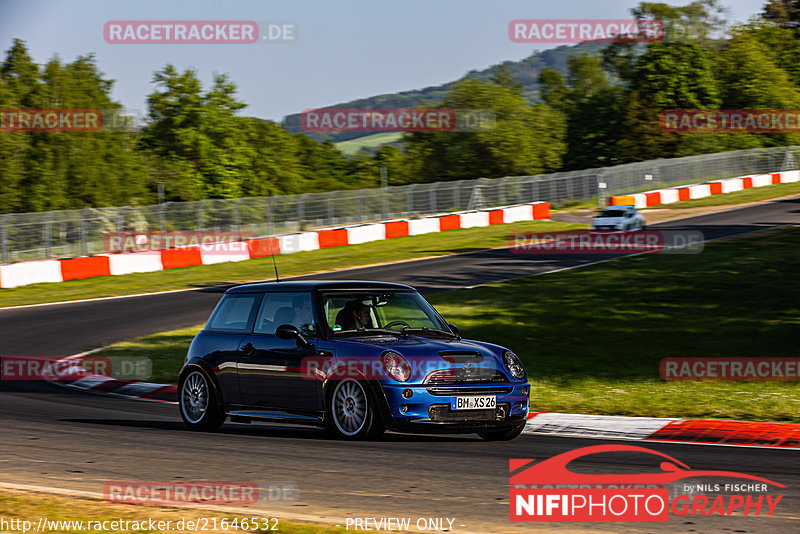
[{"x": 550, "y": 491}]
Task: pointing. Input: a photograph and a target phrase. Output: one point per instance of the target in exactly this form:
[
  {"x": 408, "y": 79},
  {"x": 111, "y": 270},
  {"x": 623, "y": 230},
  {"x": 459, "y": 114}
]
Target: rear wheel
[
  {"x": 352, "y": 412},
  {"x": 200, "y": 409},
  {"x": 502, "y": 435}
]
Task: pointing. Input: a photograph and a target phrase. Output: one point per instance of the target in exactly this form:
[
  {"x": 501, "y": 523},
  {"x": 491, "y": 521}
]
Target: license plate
[{"x": 482, "y": 402}]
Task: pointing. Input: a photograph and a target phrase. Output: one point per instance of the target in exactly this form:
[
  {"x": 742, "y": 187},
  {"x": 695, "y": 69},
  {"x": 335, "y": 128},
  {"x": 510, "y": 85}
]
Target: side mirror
[
  {"x": 289, "y": 331},
  {"x": 454, "y": 328}
]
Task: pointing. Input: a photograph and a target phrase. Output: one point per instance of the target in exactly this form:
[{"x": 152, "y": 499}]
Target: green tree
[
  {"x": 524, "y": 140},
  {"x": 783, "y": 12},
  {"x": 666, "y": 76}
]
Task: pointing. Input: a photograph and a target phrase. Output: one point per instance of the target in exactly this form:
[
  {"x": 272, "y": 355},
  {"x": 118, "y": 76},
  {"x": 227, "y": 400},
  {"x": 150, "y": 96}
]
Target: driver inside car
[{"x": 354, "y": 315}]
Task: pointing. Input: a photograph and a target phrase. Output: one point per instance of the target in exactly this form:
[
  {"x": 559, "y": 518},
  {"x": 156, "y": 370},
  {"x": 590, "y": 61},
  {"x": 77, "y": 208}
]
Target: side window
[
  {"x": 286, "y": 308},
  {"x": 233, "y": 313}
]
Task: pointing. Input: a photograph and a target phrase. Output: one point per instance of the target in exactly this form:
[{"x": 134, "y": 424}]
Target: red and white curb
[
  {"x": 105, "y": 385},
  {"x": 121, "y": 388},
  {"x": 700, "y": 431},
  {"x": 658, "y": 197},
  {"x": 34, "y": 272}
]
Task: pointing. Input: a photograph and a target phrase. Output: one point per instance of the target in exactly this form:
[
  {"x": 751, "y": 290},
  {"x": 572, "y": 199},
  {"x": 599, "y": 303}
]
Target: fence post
[
  {"x": 270, "y": 222},
  {"x": 46, "y": 237},
  {"x": 301, "y": 209},
  {"x": 601, "y": 190},
  {"x": 200, "y": 205},
  {"x": 237, "y": 216},
  {"x": 432, "y": 197},
  {"x": 4, "y": 239},
  {"x": 84, "y": 242},
  {"x": 384, "y": 192},
  {"x": 330, "y": 210},
  {"x": 162, "y": 217}
]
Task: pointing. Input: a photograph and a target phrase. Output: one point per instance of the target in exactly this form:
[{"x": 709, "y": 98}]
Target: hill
[{"x": 525, "y": 71}]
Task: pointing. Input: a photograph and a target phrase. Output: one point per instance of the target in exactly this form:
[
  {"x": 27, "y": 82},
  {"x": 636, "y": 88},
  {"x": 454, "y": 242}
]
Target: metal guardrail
[{"x": 28, "y": 236}]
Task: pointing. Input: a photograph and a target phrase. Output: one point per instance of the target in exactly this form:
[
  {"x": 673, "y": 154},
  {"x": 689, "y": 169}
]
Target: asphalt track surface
[{"x": 59, "y": 438}]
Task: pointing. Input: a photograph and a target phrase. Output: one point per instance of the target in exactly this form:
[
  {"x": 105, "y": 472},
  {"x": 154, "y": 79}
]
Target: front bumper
[{"x": 428, "y": 407}]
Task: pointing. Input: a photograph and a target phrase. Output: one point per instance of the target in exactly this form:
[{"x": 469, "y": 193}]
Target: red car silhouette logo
[{"x": 554, "y": 470}]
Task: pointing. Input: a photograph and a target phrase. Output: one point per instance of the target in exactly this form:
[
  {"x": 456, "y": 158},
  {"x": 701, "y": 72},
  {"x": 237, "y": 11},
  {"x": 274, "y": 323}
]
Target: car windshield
[
  {"x": 370, "y": 311},
  {"x": 611, "y": 213}
]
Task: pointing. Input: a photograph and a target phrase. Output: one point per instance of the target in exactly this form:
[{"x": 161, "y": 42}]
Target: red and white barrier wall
[
  {"x": 34, "y": 272},
  {"x": 691, "y": 192}
]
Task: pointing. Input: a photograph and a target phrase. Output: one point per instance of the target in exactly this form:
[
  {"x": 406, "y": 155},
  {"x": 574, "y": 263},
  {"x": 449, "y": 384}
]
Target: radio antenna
[{"x": 274, "y": 263}]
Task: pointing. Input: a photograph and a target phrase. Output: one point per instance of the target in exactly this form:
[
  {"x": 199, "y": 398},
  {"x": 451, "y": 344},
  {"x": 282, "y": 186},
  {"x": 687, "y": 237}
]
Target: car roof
[
  {"x": 311, "y": 285},
  {"x": 622, "y": 207}
]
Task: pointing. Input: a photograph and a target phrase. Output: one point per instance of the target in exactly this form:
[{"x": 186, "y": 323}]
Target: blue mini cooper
[{"x": 354, "y": 357}]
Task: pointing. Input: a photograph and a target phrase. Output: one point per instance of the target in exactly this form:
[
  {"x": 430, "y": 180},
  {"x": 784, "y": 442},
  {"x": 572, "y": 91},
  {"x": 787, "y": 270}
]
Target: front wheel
[
  {"x": 506, "y": 434},
  {"x": 352, "y": 413},
  {"x": 200, "y": 409}
]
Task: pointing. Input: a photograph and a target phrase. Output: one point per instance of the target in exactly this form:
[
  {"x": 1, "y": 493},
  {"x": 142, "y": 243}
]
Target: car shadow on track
[{"x": 269, "y": 431}]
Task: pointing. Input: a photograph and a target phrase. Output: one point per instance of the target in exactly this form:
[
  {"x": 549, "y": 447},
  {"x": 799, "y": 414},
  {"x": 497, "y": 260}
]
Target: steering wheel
[{"x": 395, "y": 323}]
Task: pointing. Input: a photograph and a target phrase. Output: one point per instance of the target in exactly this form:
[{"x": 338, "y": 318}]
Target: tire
[
  {"x": 507, "y": 434},
  {"x": 353, "y": 412},
  {"x": 198, "y": 402}
]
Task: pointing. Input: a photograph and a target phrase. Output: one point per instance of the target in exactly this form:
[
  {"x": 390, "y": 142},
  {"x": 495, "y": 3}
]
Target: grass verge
[
  {"x": 24, "y": 506},
  {"x": 592, "y": 338},
  {"x": 403, "y": 248}
]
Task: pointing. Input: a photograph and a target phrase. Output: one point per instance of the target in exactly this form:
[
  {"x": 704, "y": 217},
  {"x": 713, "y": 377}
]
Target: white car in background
[{"x": 626, "y": 218}]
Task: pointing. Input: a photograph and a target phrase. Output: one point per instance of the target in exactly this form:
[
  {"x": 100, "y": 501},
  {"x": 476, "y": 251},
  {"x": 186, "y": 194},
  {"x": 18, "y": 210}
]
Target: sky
[{"x": 344, "y": 50}]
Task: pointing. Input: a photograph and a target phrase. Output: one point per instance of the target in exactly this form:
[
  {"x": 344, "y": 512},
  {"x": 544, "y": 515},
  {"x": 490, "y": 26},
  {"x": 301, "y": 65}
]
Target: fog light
[
  {"x": 525, "y": 390},
  {"x": 404, "y": 409},
  {"x": 407, "y": 393}
]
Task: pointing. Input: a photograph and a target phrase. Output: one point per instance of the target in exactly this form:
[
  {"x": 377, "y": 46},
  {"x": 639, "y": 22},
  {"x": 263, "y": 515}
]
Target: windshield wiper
[
  {"x": 425, "y": 330},
  {"x": 368, "y": 331}
]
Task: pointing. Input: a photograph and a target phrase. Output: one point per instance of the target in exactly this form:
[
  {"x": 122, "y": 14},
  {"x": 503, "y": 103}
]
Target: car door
[
  {"x": 230, "y": 323},
  {"x": 270, "y": 369}
]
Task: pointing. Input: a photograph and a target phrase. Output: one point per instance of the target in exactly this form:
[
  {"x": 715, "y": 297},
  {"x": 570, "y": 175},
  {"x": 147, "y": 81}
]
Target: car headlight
[
  {"x": 514, "y": 365},
  {"x": 396, "y": 366}
]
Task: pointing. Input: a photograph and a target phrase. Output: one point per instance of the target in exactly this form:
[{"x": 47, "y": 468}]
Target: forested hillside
[{"x": 586, "y": 110}]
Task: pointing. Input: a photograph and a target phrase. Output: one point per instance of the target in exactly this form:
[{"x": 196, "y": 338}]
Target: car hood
[
  {"x": 426, "y": 354},
  {"x": 416, "y": 345}
]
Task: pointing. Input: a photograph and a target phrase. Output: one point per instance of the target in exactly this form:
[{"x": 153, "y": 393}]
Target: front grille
[
  {"x": 465, "y": 375},
  {"x": 442, "y": 392},
  {"x": 441, "y": 413}
]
